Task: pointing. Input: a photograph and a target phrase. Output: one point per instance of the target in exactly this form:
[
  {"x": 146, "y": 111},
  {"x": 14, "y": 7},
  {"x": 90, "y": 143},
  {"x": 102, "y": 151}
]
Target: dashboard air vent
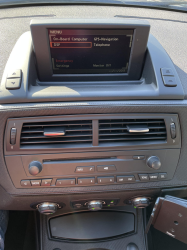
[
  {"x": 56, "y": 133},
  {"x": 131, "y": 130}
]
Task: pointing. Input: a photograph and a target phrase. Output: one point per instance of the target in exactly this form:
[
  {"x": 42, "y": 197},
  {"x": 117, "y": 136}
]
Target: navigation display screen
[{"x": 77, "y": 51}]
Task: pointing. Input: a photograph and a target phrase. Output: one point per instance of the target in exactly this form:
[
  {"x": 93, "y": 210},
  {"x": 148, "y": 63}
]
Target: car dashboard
[{"x": 85, "y": 139}]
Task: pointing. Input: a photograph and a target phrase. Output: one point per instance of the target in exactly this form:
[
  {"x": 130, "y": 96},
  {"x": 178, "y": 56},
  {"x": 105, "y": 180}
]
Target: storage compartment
[{"x": 86, "y": 226}]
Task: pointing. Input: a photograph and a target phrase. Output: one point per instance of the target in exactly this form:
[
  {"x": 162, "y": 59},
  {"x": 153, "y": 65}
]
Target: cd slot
[{"x": 86, "y": 160}]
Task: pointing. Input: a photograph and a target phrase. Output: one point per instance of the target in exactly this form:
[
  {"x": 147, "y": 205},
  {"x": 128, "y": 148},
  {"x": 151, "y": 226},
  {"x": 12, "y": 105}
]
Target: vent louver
[
  {"x": 56, "y": 134},
  {"x": 121, "y": 130}
]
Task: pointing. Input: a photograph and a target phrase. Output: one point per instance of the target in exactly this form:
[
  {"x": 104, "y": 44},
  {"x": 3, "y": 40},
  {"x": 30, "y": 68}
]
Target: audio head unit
[{"x": 69, "y": 50}]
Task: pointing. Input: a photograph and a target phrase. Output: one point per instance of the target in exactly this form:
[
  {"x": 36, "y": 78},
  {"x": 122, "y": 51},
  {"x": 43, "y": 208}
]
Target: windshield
[{"x": 176, "y": 5}]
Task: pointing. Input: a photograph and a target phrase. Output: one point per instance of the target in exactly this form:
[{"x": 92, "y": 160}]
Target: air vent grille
[
  {"x": 117, "y": 130},
  {"x": 64, "y": 133}
]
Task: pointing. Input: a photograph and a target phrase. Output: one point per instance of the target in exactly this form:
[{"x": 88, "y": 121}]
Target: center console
[
  {"x": 112, "y": 158},
  {"x": 97, "y": 150}
]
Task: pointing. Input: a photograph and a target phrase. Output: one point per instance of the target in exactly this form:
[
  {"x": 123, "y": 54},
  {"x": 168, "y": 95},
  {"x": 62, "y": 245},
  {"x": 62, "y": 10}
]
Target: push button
[
  {"x": 46, "y": 182},
  {"x": 14, "y": 83},
  {"x": 106, "y": 168},
  {"x": 112, "y": 202},
  {"x": 25, "y": 183},
  {"x": 14, "y": 74},
  {"x": 153, "y": 177},
  {"x": 84, "y": 169},
  {"x": 35, "y": 182},
  {"x": 65, "y": 182},
  {"x": 167, "y": 72},
  {"x": 105, "y": 180},
  {"x": 86, "y": 181},
  {"x": 77, "y": 205},
  {"x": 124, "y": 179},
  {"x": 162, "y": 176},
  {"x": 169, "y": 81},
  {"x": 144, "y": 177},
  {"x": 14, "y": 79}
]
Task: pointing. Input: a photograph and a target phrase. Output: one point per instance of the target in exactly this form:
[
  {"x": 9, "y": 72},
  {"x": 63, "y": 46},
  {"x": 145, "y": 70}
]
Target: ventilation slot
[
  {"x": 131, "y": 130},
  {"x": 60, "y": 134}
]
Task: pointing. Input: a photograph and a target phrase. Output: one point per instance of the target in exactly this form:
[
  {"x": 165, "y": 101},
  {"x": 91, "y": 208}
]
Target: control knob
[
  {"x": 47, "y": 208},
  {"x": 95, "y": 205},
  {"x": 154, "y": 162},
  {"x": 35, "y": 167},
  {"x": 141, "y": 202}
]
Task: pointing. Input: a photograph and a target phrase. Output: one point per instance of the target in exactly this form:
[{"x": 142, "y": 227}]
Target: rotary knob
[
  {"x": 95, "y": 205},
  {"x": 140, "y": 202},
  {"x": 35, "y": 167},
  {"x": 47, "y": 208},
  {"x": 154, "y": 162}
]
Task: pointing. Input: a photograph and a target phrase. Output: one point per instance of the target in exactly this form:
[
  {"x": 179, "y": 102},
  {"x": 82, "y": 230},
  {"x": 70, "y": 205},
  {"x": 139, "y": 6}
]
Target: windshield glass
[{"x": 161, "y": 4}]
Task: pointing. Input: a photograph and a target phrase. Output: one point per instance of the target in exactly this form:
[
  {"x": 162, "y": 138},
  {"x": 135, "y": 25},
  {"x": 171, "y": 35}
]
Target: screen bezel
[{"x": 39, "y": 31}]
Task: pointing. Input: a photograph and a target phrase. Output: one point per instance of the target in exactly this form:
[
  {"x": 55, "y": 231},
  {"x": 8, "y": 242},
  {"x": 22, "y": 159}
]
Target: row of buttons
[
  {"x": 142, "y": 177},
  {"x": 67, "y": 182},
  {"x": 91, "y": 180},
  {"x": 36, "y": 183},
  {"x": 153, "y": 177},
  {"x": 85, "y": 181},
  {"x": 92, "y": 169}
]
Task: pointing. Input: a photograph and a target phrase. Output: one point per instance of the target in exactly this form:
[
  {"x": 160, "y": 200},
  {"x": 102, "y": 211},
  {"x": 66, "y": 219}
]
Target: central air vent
[
  {"x": 131, "y": 130},
  {"x": 56, "y": 134}
]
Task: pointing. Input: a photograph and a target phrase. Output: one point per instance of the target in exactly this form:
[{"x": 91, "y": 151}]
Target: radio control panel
[{"x": 92, "y": 168}]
